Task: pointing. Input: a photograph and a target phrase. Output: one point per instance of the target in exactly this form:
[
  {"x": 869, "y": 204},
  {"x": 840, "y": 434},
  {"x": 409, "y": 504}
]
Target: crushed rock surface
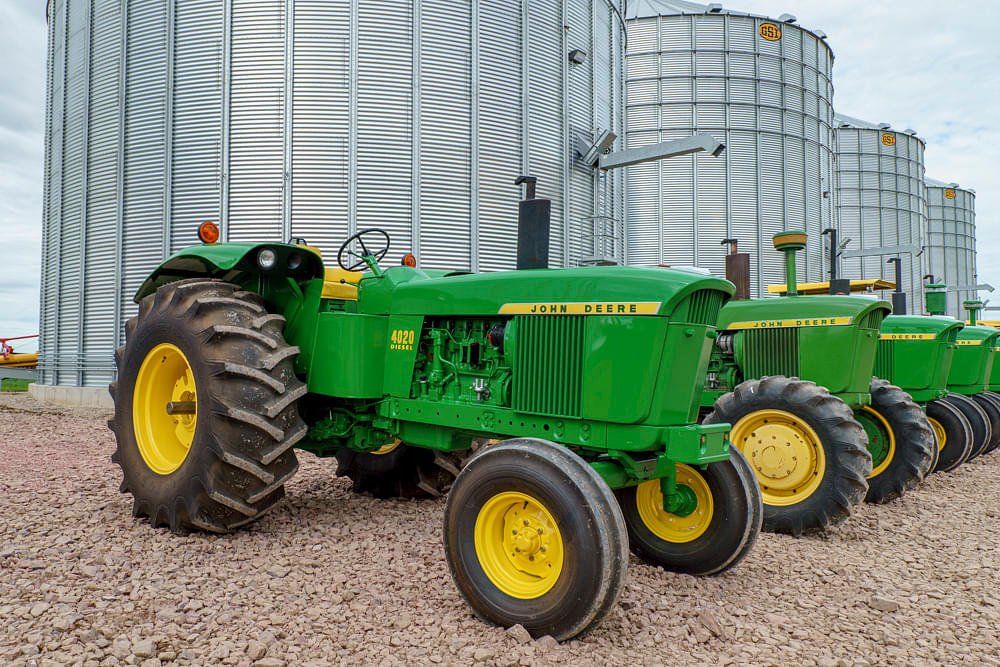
[{"x": 330, "y": 577}]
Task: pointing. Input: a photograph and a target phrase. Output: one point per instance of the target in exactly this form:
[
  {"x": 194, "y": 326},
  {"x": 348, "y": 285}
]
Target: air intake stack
[{"x": 790, "y": 243}]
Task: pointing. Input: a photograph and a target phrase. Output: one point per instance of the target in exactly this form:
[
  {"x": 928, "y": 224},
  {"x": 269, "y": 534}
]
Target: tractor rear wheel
[
  {"x": 534, "y": 536},
  {"x": 993, "y": 414},
  {"x": 982, "y": 430},
  {"x": 900, "y": 440},
  {"x": 994, "y": 398},
  {"x": 809, "y": 454},
  {"x": 205, "y": 407},
  {"x": 954, "y": 434},
  {"x": 711, "y": 538}
]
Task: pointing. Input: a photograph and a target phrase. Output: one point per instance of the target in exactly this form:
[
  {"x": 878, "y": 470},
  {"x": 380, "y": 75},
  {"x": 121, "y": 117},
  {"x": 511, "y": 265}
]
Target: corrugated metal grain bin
[
  {"x": 311, "y": 119},
  {"x": 761, "y": 86},
  {"x": 951, "y": 240},
  {"x": 881, "y": 202}
]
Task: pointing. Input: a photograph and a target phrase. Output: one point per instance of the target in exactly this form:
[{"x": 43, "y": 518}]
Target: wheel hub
[
  {"x": 164, "y": 408},
  {"x": 696, "y": 514},
  {"x": 785, "y": 453}
]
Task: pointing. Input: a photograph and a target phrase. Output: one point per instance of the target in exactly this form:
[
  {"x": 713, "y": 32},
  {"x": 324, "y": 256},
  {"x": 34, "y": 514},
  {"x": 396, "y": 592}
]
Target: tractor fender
[{"x": 229, "y": 261}]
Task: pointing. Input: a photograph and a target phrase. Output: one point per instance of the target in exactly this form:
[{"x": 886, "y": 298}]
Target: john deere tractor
[
  {"x": 969, "y": 383},
  {"x": 793, "y": 375},
  {"x": 586, "y": 383}
]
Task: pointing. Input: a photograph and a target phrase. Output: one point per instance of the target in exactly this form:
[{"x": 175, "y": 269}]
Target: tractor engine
[{"x": 464, "y": 361}]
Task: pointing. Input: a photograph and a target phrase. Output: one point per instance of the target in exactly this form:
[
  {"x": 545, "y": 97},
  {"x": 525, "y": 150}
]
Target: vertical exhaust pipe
[
  {"x": 738, "y": 269},
  {"x": 898, "y": 297},
  {"x": 534, "y": 220}
]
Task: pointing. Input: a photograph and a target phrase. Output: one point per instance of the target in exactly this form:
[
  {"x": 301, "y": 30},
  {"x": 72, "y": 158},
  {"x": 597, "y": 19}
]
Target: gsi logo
[
  {"x": 949, "y": 194},
  {"x": 770, "y": 32},
  {"x": 889, "y": 139}
]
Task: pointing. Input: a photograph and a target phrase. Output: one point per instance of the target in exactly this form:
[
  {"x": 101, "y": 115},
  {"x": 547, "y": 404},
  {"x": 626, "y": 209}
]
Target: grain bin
[
  {"x": 881, "y": 204},
  {"x": 761, "y": 86},
  {"x": 311, "y": 119},
  {"x": 951, "y": 240}
]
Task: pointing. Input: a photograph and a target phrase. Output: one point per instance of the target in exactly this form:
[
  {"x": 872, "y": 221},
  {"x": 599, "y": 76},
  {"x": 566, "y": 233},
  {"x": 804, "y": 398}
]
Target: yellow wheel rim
[
  {"x": 785, "y": 453},
  {"x": 385, "y": 449},
  {"x": 942, "y": 436},
  {"x": 881, "y": 467},
  {"x": 666, "y": 525},
  {"x": 164, "y": 440},
  {"x": 519, "y": 545}
]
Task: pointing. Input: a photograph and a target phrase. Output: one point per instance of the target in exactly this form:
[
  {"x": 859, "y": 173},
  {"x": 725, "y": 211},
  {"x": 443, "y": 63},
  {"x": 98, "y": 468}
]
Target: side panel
[
  {"x": 620, "y": 358},
  {"x": 839, "y": 358},
  {"x": 400, "y": 354},
  {"x": 348, "y": 355}
]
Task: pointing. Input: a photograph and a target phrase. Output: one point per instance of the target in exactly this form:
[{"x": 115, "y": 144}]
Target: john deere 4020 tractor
[
  {"x": 590, "y": 378},
  {"x": 793, "y": 375}
]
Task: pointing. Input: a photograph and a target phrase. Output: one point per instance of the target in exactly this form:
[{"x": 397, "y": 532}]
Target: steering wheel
[{"x": 344, "y": 250}]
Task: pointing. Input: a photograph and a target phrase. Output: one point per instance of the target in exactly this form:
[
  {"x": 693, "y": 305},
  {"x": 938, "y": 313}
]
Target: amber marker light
[
  {"x": 208, "y": 232},
  {"x": 409, "y": 260}
]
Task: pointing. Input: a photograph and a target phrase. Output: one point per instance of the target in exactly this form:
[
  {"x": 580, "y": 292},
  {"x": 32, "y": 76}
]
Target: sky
[{"x": 930, "y": 66}]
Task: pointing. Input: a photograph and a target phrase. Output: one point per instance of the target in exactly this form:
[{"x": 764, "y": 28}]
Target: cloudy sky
[{"x": 930, "y": 66}]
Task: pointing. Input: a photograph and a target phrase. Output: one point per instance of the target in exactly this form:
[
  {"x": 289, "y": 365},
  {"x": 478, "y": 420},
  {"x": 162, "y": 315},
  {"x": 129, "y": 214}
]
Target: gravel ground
[{"x": 330, "y": 577}]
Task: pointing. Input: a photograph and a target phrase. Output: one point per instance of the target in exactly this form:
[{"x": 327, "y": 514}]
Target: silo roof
[
  {"x": 935, "y": 183},
  {"x": 843, "y": 120}
]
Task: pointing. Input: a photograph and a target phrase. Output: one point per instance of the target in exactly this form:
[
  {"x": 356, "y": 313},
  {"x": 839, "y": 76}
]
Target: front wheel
[
  {"x": 982, "y": 430},
  {"x": 994, "y": 398},
  {"x": 715, "y": 535},
  {"x": 988, "y": 405},
  {"x": 534, "y": 536},
  {"x": 809, "y": 454},
  {"x": 900, "y": 440}
]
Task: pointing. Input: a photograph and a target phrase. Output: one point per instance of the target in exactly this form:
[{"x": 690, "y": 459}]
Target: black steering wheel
[{"x": 364, "y": 249}]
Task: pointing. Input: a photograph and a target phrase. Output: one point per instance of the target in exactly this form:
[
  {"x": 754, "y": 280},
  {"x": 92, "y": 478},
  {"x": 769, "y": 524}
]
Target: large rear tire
[
  {"x": 954, "y": 434},
  {"x": 982, "y": 430},
  {"x": 994, "y": 398},
  {"x": 205, "y": 407},
  {"x": 809, "y": 454},
  {"x": 401, "y": 471},
  {"x": 900, "y": 440},
  {"x": 534, "y": 536},
  {"x": 988, "y": 405},
  {"x": 710, "y": 540}
]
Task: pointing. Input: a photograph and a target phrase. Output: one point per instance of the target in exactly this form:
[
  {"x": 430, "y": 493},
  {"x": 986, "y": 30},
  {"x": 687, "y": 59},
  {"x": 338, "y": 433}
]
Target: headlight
[
  {"x": 294, "y": 261},
  {"x": 266, "y": 259}
]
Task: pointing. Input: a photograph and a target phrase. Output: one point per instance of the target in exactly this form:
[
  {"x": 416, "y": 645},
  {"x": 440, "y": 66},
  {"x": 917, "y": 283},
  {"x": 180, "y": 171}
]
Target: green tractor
[
  {"x": 793, "y": 375},
  {"x": 969, "y": 384},
  {"x": 584, "y": 382},
  {"x": 915, "y": 353}
]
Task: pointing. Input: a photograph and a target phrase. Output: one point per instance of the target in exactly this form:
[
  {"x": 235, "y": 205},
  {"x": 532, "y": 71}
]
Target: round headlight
[
  {"x": 266, "y": 259},
  {"x": 294, "y": 261}
]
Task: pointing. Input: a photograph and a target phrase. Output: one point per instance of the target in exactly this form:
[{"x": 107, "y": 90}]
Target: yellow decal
[
  {"x": 402, "y": 339},
  {"x": 770, "y": 32},
  {"x": 968, "y": 342},
  {"x": 949, "y": 194},
  {"x": 908, "y": 336},
  {"x": 888, "y": 139},
  {"x": 594, "y": 308},
  {"x": 805, "y": 322}
]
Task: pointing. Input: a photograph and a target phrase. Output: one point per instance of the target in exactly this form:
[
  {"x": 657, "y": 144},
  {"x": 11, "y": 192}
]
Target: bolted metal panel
[
  {"x": 951, "y": 240},
  {"x": 881, "y": 201},
  {"x": 309, "y": 118},
  {"x": 768, "y": 100}
]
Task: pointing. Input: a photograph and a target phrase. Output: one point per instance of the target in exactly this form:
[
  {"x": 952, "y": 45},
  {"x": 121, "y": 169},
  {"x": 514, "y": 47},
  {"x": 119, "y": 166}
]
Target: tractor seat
[{"x": 341, "y": 284}]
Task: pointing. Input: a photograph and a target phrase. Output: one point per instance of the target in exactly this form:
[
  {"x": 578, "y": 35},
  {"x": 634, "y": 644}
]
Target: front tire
[
  {"x": 994, "y": 398},
  {"x": 987, "y": 404},
  {"x": 982, "y": 431},
  {"x": 205, "y": 407},
  {"x": 534, "y": 536},
  {"x": 954, "y": 434},
  {"x": 901, "y": 442},
  {"x": 807, "y": 451},
  {"x": 710, "y": 540}
]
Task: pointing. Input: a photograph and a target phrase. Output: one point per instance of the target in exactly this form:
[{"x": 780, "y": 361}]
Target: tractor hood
[
  {"x": 977, "y": 334},
  {"x": 615, "y": 290},
  {"x": 798, "y": 311},
  {"x": 935, "y": 327}
]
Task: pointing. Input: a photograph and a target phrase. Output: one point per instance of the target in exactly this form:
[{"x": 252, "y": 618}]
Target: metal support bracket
[
  {"x": 885, "y": 250},
  {"x": 971, "y": 288},
  {"x": 661, "y": 151}
]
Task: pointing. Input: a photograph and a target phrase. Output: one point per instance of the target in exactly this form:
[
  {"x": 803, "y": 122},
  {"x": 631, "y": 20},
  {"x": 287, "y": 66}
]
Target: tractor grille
[
  {"x": 872, "y": 320},
  {"x": 883, "y": 359},
  {"x": 771, "y": 352},
  {"x": 548, "y": 365},
  {"x": 702, "y": 307}
]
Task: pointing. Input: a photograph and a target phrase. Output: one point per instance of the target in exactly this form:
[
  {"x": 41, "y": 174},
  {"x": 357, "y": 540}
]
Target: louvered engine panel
[
  {"x": 548, "y": 365},
  {"x": 771, "y": 352}
]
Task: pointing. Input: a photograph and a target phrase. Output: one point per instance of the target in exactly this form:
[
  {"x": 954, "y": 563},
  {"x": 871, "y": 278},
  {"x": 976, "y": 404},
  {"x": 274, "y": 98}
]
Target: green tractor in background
[
  {"x": 586, "y": 383},
  {"x": 793, "y": 375}
]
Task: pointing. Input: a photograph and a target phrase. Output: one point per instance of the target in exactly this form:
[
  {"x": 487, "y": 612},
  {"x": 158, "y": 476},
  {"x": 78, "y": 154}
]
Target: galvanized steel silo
[
  {"x": 881, "y": 203},
  {"x": 311, "y": 119},
  {"x": 761, "y": 86},
  {"x": 951, "y": 240}
]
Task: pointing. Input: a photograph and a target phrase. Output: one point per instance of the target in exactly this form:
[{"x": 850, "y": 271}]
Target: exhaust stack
[{"x": 534, "y": 220}]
